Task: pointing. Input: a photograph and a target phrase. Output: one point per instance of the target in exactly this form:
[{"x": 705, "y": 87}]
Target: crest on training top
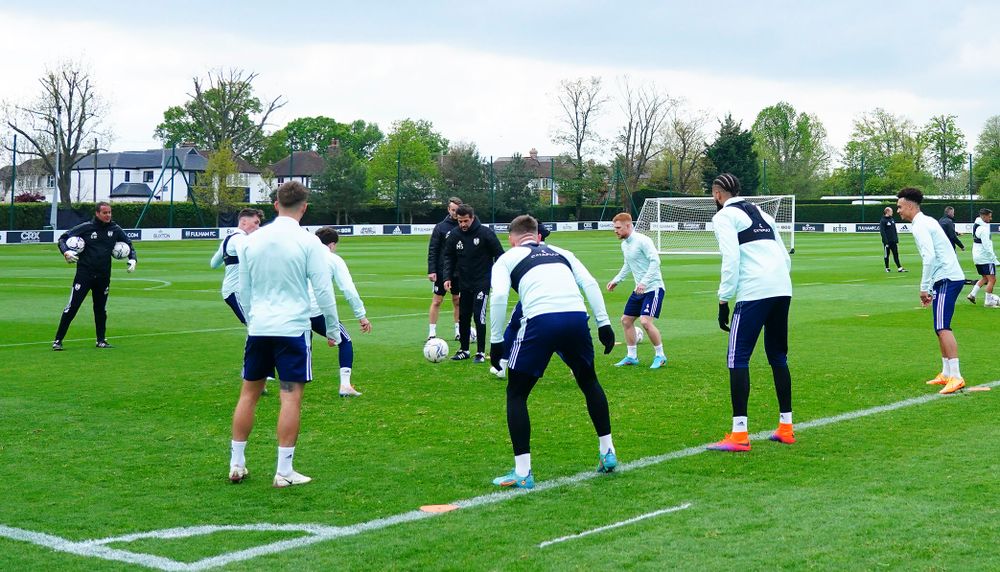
[
  {"x": 110, "y": 232},
  {"x": 459, "y": 246},
  {"x": 93, "y": 235},
  {"x": 475, "y": 241}
]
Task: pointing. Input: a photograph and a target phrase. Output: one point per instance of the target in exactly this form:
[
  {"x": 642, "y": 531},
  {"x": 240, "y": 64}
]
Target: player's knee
[
  {"x": 646, "y": 321},
  {"x": 777, "y": 359},
  {"x": 627, "y": 321}
]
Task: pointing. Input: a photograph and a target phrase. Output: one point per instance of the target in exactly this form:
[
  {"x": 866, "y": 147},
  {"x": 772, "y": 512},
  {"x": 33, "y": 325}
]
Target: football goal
[{"x": 683, "y": 225}]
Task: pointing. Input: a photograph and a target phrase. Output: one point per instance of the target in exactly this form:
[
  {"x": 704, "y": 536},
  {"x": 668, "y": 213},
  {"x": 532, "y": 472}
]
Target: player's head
[
  {"x": 622, "y": 225},
  {"x": 250, "y": 219},
  {"x": 908, "y": 203},
  {"x": 292, "y": 200},
  {"x": 102, "y": 211},
  {"x": 888, "y": 211},
  {"x": 465, "y": 214},
  {"x": 329, "y": 237},
  {"x": 949, "y": 212},
  {"x": 724, "y": 187},
  {"x": 523, "y": 228},
  {"x": 986, "y": 215},
  {"x": 453, "y": 204}
]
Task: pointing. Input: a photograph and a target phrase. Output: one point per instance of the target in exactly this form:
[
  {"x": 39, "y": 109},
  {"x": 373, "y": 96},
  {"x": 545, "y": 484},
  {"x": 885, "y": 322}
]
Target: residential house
[
  {"x": 301, "y": 166},
  {"x": 543, "y": 168}
]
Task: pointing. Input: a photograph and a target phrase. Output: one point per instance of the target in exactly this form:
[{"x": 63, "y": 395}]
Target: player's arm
[
  {"x": 925, "y": 247},
  {"x": 495, "y": 246},
  {"x": 216, "y": 260},
  {"x": 78, "y": 230},
  {"x": 449, "y": 259},
  {"x": 777, "y": 237},
  {"x": 653, "y": 269},
  {"x": 618, "y": 277},
  {"x": 345, "y": 283},
  {"x": 499, "y": 291},
  {"x": 433, "y": 248},
  {"x": 588, "y": 284},
  {"x": 120, "y": 236},
  {"x": 243, "y": 292},
  {"x": 729, "y": 246},
  {"x": 318, "y": 271},
  {"x": 954, "y": 236}
]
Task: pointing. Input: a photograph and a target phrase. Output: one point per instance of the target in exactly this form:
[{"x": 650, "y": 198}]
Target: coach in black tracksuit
[
  {"x": 93, "y": 269},
  {"x": 890, "y": 240},
  {"x": 470, "y": 251}
]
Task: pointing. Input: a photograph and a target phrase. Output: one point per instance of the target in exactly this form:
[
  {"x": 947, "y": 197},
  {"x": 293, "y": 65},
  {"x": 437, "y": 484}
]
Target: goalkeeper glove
[
  {"x": 496, "y": 352},
  {"x": 131, "y": 265},
  {"x": 724, "y": 316},
  {"x": 607, "y": 337}
]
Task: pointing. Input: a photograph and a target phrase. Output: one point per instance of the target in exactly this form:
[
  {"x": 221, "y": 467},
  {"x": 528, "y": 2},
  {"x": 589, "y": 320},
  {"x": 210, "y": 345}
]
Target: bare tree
[
  {"x": 646, "y": 111},
  {"x": 66, "y": 115},
  {"x": 684, "y": 141},
  {"x": 581, "y": 101}
]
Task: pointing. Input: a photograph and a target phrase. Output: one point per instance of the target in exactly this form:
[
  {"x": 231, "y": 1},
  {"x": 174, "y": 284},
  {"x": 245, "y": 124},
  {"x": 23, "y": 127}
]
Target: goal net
[{"x": 683, "y": 225}]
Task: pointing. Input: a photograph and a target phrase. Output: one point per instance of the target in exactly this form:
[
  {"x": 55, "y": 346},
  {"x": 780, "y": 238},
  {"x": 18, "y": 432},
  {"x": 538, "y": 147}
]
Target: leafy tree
[
  {"x": 732, "y": 152},
  {"x": 222, "y": 109},
  {"x": 317, "y": 134},
  {"x": 342, "y": 184},
  {"x": 879, "y": 135},
  {"x": 581, "y": 190},
  {"x": 213, "y": 189},
  {"x": 516, "y": 193},
  {"x": 987, "y": 159},
  {"x": 465, "y": 174},
  {"x": 407, "y": 154},
  {"x": 793, "y": 145},
  {"x": 990, "y": 189},
  {"x": 945, "y": 146},
  {"x": 63, "y": 120}
]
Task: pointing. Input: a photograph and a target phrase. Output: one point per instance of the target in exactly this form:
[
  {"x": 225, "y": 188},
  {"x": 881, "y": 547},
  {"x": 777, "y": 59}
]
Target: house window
[
  {"x": 50, "y": 181},
  {"x": 128, "y": 176},
  {"x": 281, "y": 180},
  {"x": 147, "y": 176}
]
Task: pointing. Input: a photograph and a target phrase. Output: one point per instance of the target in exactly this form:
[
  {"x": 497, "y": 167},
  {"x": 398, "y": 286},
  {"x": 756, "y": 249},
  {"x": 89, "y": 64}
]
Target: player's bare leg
[
  {"x": 659, "y": 358},
  {"x": 243, "y": 416},
  {"x": 631, "y": 355}
]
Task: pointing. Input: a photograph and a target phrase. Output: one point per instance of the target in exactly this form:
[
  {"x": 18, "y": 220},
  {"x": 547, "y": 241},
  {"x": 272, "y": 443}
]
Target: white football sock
[
  {"x": 285, "y": 456},
  {"x": 785, "y": 418},
  {"x": 605, "y": 444},
  {"x": 236, "y": 450},
  {"x": 659, "y": 350},
  {"x": 953, "y": 366},
  {"x": 739, "y": 424},
  {"x": 945, "y": 367},
  {"x": 432, "y": 331},
  {"x": 456, "y": 329},
  {"x": 975, "y": 290},
  {"x": 631, "y": 352},
  {"x": 345, "y": 378},
  {"x": 522, "y": 464}
]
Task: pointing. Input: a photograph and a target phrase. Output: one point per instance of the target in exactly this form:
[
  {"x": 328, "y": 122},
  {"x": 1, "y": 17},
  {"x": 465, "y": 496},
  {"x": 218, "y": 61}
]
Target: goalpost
[{"x": 683, "y": 225}]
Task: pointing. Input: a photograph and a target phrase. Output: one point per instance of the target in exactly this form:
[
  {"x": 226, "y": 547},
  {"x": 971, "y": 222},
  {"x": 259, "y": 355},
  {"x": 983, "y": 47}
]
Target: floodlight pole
[
  {"x": 552, "y": 189},
  {"x": 971, "y": 212},
  {"x": 13, "y": 183},
  {"x": 862, "y": 188},
  {"x": 399, "y": 159},
  {"x": 493, "y": 194},
  {"x": 95, "y": 172},
  {"x": 55, "y": 190}
]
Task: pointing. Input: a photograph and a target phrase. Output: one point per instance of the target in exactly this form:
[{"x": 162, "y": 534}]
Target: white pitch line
[
  {"x": 615, "y": 525},
  {"x": 184, "y": 332},
  {"x": 321, "y": 533},
  {"x": 163, "y": 283}
]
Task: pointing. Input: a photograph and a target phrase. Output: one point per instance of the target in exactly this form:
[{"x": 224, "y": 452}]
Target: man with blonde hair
[{"x": 646, "y": 300}]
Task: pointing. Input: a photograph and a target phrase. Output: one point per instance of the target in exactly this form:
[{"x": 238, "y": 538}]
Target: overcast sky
[{"x": 488, "y": 72}]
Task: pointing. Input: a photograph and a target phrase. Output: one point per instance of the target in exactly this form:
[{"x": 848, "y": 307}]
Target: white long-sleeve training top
[
  {"x": 543, "y": 289},
  {"x": 756, "y": 269},
  {"x": 231, "y": 279},
  {"x": 345, "y": 283},
  {"x": 936, "y": 252},
  {"x": 278, "y": 262},
  {"x": 642, "y": 260},
  {"x": 982, "y": 244}
]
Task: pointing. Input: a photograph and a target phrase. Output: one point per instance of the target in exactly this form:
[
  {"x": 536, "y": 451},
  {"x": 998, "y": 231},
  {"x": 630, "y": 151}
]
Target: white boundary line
[
  {"x": 320, "y": 533},
  {"x": 615, "y": 525},
  {"x": 182, "y": 332}
]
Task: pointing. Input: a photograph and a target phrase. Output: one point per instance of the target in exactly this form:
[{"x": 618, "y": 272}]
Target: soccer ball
[
  {"x": 436, "y": 350},
  {"x": 639, "y": 335},
  {"x": 121, "y": 250},
  {"x": 76, "y": 244}
]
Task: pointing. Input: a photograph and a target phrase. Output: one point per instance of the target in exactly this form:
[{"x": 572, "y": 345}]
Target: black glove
[
  {"x": 607, "y": 337},
  {"x": 724, "y": 316},
  {"x": 496, "y": 352}
]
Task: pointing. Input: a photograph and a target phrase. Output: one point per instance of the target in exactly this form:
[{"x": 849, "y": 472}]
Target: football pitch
[{"x": 117, "y": 459}]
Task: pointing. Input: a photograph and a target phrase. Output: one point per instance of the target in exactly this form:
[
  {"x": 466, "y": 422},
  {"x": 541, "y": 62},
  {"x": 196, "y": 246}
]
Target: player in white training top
[{"x": 249, "y": 221}]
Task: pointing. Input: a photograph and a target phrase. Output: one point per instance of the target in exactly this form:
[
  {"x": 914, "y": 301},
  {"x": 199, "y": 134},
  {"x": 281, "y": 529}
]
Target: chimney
[
  {"x": 334, "y": 147},
  {"x": 533, "y": 153}
]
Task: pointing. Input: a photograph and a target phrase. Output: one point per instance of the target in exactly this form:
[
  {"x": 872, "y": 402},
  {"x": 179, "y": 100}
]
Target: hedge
[{"x": 33, "y": 216}]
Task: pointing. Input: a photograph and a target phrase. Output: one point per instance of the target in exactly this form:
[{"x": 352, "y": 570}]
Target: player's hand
[
  {"x": 925, "y": 299},
  {"x": 447, "y": 285},
  {"x": 131, "y": 266},
  {"x": 71, "y": 257},
  {"x": 611, "y": 286},
  {"x": 366, "y": 326},
  {"x": 330, "y": 342},
  {"x": 607, "y": 337},
  {"x": 724, "y": 316},
  {"x": 640, "y": 289},
  {"x": 433, "y": 277},
  {"x": 496, "y": 352}
]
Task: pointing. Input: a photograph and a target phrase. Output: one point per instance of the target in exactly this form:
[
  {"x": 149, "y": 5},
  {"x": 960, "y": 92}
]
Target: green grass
[{"x": 95, "y": 444}]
